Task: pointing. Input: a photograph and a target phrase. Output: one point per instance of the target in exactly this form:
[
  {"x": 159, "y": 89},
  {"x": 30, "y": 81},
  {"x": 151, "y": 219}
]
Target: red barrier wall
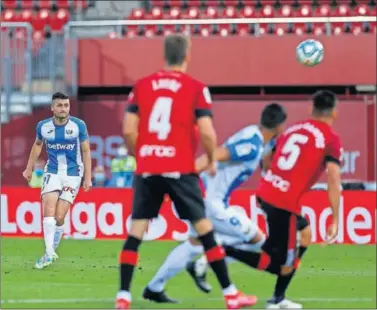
[
  {"x": 104, "y": 124},
  {"x": 105, "y": 214},
  {"x": 262, "y": 61}
]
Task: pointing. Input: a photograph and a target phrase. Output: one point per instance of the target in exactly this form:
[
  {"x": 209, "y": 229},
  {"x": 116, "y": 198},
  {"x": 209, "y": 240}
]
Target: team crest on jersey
[{"x": 69, "y": 131}]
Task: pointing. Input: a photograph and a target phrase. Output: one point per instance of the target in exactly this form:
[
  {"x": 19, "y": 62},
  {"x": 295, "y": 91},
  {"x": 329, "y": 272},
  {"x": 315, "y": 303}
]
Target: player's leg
[
  {"x": 283, "y": 281},
  {"x": 235, "y": 229},
  {"x": 50, "y": 194},
  {"x": 148, "y": 196},
  {"x": 189, "y": 203},
  {"x": 71, "y": 186},
  {"x": 174, "y": 263}
]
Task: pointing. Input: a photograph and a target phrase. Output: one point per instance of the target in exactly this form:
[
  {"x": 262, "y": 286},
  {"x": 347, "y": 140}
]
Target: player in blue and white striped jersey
[
  {"x": 238, "y": 158},
  {"x": 69, "y": 160}
]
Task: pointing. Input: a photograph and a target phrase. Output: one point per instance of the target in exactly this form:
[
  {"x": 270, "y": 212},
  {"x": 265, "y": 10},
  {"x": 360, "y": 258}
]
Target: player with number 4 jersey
[{"x": 303, "y": 152}]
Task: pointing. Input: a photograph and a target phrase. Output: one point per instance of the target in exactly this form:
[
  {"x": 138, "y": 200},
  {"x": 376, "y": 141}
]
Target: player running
[
  {"x": 69, "y": 159},
  {"x": 238, "y": 158},
  {"x": 159, "y": 129}
]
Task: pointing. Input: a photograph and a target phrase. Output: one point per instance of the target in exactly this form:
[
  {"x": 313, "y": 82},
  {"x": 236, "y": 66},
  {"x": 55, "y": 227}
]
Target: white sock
[
  {"x": 176, "y": 261},
  {"x": 230, "y": 290},
  {"x": 124, "y": 295},
  {"x": 48, "y": 231},
  {"x": 59, "y": 230}
]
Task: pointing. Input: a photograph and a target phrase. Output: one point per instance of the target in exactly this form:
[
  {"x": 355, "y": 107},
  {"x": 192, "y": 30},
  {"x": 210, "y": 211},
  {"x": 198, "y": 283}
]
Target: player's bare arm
[
  {"x": 202, "y": 162},
  {"x": 208, "y": 139},
  {"x": 87, "y": 161},
  {"x": 130, "y": 130},
  {"x": 34, "y": 155},
  {"x": 334, "y": 192}
]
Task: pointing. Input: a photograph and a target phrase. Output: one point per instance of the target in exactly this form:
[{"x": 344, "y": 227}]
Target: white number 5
[
  {"x": 159, "y": 120},
  {"x": 292, "y": 151}
]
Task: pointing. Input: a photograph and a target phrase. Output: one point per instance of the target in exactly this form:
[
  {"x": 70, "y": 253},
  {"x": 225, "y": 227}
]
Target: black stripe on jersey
[
  {"x": 203, "y": 112},
  {"x": 132, "y": 108},
  {"x": 332, "y": 159}
]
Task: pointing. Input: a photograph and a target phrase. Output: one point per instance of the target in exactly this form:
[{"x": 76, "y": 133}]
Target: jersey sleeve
[
  {"x": 334, "y": 150},
  {"x": 203, "y": 106},
  {"x": 39, "y": 131},
  {"x": 244, "y": 150},
  {"x": 132, "y": 104},
  {"x": 83, "y": 131}
]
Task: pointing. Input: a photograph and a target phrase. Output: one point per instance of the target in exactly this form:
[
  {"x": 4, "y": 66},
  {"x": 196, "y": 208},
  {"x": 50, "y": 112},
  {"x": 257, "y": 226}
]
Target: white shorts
[
  {"x": 231, "y": 225},
  {"x": 68, "y": 186}
]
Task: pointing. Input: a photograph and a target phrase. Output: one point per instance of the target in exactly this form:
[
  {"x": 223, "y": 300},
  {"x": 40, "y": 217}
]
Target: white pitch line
[{"x": 89, "y": 300}]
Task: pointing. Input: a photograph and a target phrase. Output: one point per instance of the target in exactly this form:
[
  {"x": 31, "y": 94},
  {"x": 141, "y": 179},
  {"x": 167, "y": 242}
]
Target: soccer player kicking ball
[
  {"x": 302, "y": 153},
  {"x": 237, "y": 158},
  {"x": 69, "y": 160},
  {"x": 159, "y": 129}
]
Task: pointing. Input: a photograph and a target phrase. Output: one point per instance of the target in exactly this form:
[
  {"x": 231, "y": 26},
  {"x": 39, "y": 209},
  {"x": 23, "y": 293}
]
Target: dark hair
[
  {"x": 59, "y": 95},
  {"x": 272, "y": 116},
  {"x": 323, "y": 101},
  {"x": 175, "y": 49}
]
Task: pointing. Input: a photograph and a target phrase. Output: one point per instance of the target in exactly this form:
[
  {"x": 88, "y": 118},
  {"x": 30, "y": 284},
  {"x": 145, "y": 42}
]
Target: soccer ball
[{"x": 310, "y": 52}]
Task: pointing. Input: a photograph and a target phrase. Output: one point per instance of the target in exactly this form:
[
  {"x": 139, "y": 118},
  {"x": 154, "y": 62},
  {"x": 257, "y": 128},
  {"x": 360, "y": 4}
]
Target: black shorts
[
  {"x": 184, "y": 191},
  {"x": 282, "y": 239}
]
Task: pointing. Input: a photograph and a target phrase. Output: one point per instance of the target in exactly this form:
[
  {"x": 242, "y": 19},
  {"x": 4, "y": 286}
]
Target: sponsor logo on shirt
[{"x": 59, "y": 146}]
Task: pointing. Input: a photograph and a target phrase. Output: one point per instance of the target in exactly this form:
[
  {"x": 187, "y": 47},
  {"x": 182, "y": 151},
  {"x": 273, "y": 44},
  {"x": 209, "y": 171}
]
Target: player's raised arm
[
  {"x": 34, "y": 154},
  {"x": 131, "y": 122},
  {"x": 86, "y": 156}
]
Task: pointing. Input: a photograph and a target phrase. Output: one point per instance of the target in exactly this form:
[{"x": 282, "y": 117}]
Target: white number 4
[
  {"x": 159, "y": 120},
  {"x": 292, "y": 151}
]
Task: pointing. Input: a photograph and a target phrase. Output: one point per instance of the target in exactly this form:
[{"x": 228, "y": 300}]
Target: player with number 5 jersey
[
  {"x": 303, "y": 151},
  {"x": 163, "y": 111}
]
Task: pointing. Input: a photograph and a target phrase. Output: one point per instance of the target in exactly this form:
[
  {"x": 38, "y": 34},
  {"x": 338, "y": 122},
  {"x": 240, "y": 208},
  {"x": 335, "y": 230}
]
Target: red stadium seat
[
  {"x": 174, "y": 13},
  {"x": 155, "y": 13},
  {"x": 229, "y": 12},
  {"x": 137, "y": 14},
  {"x": 9, "y": 16},
  {"x": 281, "y": 29},
  {"x": 62, "y": 4},
  {"x": 210, "y": 13},
  {"x": 158, "y": 3},
  {"x": 45, "y": 4},
  {"x": 192, "y": 13},
  {"x": 59, "y": 19},
  {"x": 9, "y": 4},
  {"x": 267, "y": 12},
  {"x": 27, "y": 4},
  {"x": 286, "y": 11},
  {"x": 247, "y": 12},
  {"x": 26, "y": 16},
  {"x": 41, "y": 20}
]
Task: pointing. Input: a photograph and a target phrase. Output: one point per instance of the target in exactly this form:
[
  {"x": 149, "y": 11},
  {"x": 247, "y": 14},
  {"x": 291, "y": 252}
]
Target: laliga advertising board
[{"x": 105, "y": 214}]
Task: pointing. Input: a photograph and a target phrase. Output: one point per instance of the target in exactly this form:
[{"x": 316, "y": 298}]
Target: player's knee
[
  {"x": 305, "y": 236},
  {"x": 203, "y": 226}
]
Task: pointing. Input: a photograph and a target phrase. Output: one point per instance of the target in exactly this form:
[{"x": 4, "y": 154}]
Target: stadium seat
[
  {"x": 9, "y": 16},
  {"x": 9, "y": 4},
  {"x": 41, "y": 19},
  {"x": 174, "y": 13},
  {"x": 27, "y": 4},
  {"x": 45, "y": 4},
  {"x": 59, "y": 19},
  {"x": 62, "y": 4},
  {"x": 26, "y": 16},
  {"x": 229, "y": 12},
  {"x": 210, "y": 13}
]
